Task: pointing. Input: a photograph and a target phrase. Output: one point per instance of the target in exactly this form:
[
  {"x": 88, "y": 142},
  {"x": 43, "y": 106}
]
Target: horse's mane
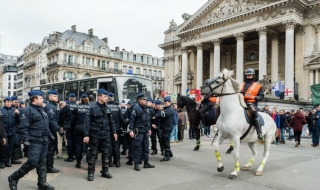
[
  {"x": 227, "y": 74},
  {"x": 188, "y": 100}
]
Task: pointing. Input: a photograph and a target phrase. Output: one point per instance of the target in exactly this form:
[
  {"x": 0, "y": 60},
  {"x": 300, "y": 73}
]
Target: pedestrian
[
  {"x": 297, "y": 122},
  {"x": 315, "y": 127},
  {"x": 181, "y": 127},
  {"x": 174, "y": 133},
  {"x": 80, "y": 113},
  {"x": 305, "y": 128},
  {"x": 140, "y": 131},
  {"x": 266, "y": 109},
  {"x": 11, "y": 121},
  {"x": 114, "y": 151},
  {"x": 35, "y": 132},
  {"x": 274, "y": 115},
  {"x": 283, "y": 126},
  {"x": 98, "y": 126},
  {"x": 166, "y": 117}
]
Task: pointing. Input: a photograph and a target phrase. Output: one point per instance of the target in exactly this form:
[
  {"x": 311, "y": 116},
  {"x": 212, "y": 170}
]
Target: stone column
[
  {"x": 211, "y": 63},
  {"x": 274, "y": 57},
  {"x": 311, "y": 78},
  {"x": 184, "y": 78},
  {"x": 316, "y": 78},
  {"x": 300, "y": 73},
  {"x": 262, "y": 51},
  {"x": 240, "y": 38},
  {"x": 199, "y": 65},
  {"x": 317, "y": 28},
  {"x": 176, "y": 65},
  {"x": 289, "y": 58},
  {"x": 216, "y": 64}
]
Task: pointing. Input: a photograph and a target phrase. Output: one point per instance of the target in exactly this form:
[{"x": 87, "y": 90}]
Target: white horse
[{"x": 232, "y": 123}]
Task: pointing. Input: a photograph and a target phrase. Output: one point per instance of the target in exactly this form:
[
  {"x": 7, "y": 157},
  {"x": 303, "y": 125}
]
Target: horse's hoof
[
  {"x": 232, "y": 176},
  {"x": 258, "y": 173},
  {"x": 196, "y": 148},
  {"x": 228, "y": 151},
  {"x": 245, "y": 168},
  {"x": 220, "y": 169}
]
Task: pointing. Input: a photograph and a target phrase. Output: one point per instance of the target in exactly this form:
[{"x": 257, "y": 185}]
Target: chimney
[
  {"x": 117, "y": 48},
  {"x": 91, "y": 32},
  {"x": 74, "y": 28},
  {"x": 105, "y": 40}
]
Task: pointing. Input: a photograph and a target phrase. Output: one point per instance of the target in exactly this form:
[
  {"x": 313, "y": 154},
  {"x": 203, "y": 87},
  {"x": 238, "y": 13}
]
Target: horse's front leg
[
  {"x": 198, "y": 142},
  {"x": 236, "y": 144},
  {"x": 216, "y": 147}
]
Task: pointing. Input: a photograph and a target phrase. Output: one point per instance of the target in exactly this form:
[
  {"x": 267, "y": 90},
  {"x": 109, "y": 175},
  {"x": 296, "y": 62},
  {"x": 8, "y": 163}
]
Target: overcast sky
[{"x": 136, "y": 25}]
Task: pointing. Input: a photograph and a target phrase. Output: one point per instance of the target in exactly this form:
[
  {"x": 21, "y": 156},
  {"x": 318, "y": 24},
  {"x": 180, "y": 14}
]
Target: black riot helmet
[{"x": 249, "y": 72}]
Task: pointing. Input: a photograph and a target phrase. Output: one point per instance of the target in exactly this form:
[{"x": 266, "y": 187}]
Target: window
[
  {"x": 150, "y": 73},
  {"x": 130, "y": 69},
  {"x": 88, "y": 47},
  {"x": 155, "y": 73},
  {"x": 124, "y": 69},
  {"x": 98, "y": 63},
  {"x": 9, "y": 93},
  {"x": 116, "y": 67},
  {"x": 145, "y": 72},
  {"x": 70, "y": 45},
  {"x": 70, "y": 59},
  {"x": 103, "y": 65},
  {"x": 103, "y": 51},
  {"x": 83, "y": 58},
  {"x": 9, "y": 85},
  {"x": 69, "y": 76},
  {"x": 64, "y": 58},
  {"x": 9, "y": 77},
  {"x": 138, "y": 71},
  {"x": 87, "y": 75},
  {"x": 88, "y": 61},
  {"x": 159, "y": 74}
]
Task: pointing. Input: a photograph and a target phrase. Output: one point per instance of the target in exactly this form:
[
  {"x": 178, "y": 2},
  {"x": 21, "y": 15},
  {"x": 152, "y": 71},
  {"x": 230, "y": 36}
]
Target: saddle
[{"x": 249, "y": 118}]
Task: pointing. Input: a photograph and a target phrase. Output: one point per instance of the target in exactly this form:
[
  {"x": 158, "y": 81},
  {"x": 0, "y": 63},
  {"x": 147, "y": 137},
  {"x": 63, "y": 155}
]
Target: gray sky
[{"x": 136, "y": 25}]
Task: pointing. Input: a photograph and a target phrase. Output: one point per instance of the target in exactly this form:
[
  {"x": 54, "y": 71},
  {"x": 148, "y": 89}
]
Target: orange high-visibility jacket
[
  {"x": 213, "y": 99},
  {"x": 251, "y": 92}
]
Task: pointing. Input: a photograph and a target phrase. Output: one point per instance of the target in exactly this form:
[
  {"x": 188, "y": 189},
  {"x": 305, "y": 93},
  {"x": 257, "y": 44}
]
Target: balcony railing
[
  {"x": 43, "y": 81},
  {"x": 52, "y": 65},
  {"x": 31, "y": 64}
]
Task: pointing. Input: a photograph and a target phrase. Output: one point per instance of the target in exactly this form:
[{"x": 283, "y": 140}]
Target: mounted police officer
[
  {"x": 155, "y": 129},
  {"x": 140, "y": 132},
  {"x": 253, "y": 93},
  {"x": 68, "y": 126},
  {"x": 80, "y": 113},
  {"x": 118, "y": 122},
  {"x": 16, "y": 153},
  {"x": 166, "y": 117},
  {"x": 53, "y": 115},
  {"x": 11, "y": 120},
  {"x": 35, "y": 132},
  {"x": 124, "y": 134},
  {"x": 98, "y": 126},
  {"x": 207, "y": 103}
]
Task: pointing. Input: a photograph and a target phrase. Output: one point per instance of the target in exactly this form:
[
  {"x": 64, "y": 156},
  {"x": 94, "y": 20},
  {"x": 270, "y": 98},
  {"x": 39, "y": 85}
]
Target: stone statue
[
  {"x": 265, "y": 84},
  {"x": 173, "y": 24}
]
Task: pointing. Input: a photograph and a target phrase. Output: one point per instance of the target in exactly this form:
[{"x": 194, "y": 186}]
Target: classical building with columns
[{"x": 277, "y": 38}]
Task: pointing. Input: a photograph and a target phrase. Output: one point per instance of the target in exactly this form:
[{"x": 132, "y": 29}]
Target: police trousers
[
  {"x": 154, "y": 134},
  {"x": 140, "y": 147},
  {"x": 7, "y": 149}
]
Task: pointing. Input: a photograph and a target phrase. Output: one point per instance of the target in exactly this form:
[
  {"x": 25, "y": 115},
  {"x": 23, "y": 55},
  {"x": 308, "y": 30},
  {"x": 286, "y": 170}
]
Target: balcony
[
  {"x": 43, "y": 81},
  {"x": 28, "y": 77},
  {"x": 28, "y": 65},
  {"x": 52, "y": 65}
]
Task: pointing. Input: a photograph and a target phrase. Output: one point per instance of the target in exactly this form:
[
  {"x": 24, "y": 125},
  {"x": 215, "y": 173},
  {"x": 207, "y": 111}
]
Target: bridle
[{"x": 224, "y": 81}]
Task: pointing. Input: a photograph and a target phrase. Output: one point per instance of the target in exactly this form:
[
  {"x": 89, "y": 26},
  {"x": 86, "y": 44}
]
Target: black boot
[
  {"x": 12, "y": 183},
  {"x": 69, "y": 159},
  {"x": 166, "y": 156},
  {"x": 91, "y": 168},
  {"x": 118, "y": 164},
  {"x": 78, "y": 165},
  {"x": 105, "y": 173},
  {"x": 50, "y": 161},
  {"x": 140, "y": 161},
  {"x": 14, "y": 178},
  {"x": 148, "y": 165},
  {"x": 42, "y": 177},
  {"x": 170, "y": 154},
  {"x": 45, "y": 186},
  {"x": 16, "y": 162},
  {"x": 154, "y": 152},
  {"x": 162, "y": 152},
  {"x": 129, "y": 162},
  {"x": 7, "y": 164},
  {"x": 2, "y": 166},
  {"x": 258, "y": 128},
  {"x": 136, "y": 167}
]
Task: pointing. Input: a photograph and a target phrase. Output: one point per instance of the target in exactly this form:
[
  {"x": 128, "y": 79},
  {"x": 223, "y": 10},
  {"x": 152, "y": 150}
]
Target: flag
[{"x": 275, "y": 87}]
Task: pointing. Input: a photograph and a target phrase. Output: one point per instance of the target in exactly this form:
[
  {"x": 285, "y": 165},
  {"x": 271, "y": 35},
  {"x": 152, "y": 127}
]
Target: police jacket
[
  {"x": 68, "y": 115},
  {"x": 1, "y": 131},
  {"x": 154, "y": 120},
  {"x": 129, "y": 111},
  {"x": 34, "y": 124},
  {"x": 117, "y": 114},
  {"x": 166, "y": 122},
  {"x": 259, "y": 95},
  {"x": 10, "y": 120},
  {"x": 53, "y": 116},
  {"x": 124, "y": 112},
  {"x": 99, "y": 121},
  {"x": 140, "y": 119},
  {"x": 80, "y": 113}
]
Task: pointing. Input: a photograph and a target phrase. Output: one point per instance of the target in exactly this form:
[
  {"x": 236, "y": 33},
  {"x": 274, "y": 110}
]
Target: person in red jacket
[{"x": 297, "y": 122}]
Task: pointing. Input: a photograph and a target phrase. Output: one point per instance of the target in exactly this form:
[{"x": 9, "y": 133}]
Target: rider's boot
[{"x": 258, "y": 128}]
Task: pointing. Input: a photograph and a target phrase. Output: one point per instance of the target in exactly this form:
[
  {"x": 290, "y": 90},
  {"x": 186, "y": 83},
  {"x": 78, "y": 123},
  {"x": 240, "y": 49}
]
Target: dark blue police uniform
[
  {"x": 156, "y": 132},
  {"x": 98, "y": 124},
  {"x": 16, "y": 153},
  {"x": 123, "y": 130},
  {"x": 166, "y": 120},
  {"x": 118, "y": 121},
  {"x": 34, "y": 131}
]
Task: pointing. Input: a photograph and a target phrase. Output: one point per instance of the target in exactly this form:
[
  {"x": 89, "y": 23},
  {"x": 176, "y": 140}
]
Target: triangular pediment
[{"x": 215, "y": 10}]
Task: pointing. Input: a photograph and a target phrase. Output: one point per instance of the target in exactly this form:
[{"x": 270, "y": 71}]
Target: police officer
[
  {"x": 53, "y": 116},
  {"x": 68, "y": 125},
  {"x": 10, "y": 119},
  {"x": 2, "y": 136},
  {"x": 123, "y": 136},
  {"x": 166, "y": 120},
  {"x": 118, "y": 121},
  {"x": 98, "y": 125},
  {"x": 252, "y": 93},
  {"x": 80, "y": 113},
  {"x": 34, "y": 131},
  {"x": 155, "y": 129},
  {"x": 207, "y": 103},
  {"x": 130, "y": 107},
  {"x": 140, "y": 132},
  {"x": 16, "y": 153}
]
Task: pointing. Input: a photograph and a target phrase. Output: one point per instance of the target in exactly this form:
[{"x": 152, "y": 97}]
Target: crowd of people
[
  {"x": 84, "y": 128},
  {"x": 296, "y": 123}
]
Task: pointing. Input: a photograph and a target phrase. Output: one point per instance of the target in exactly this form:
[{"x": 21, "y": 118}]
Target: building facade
[
  {"x": 8, "y": 59},
  {"x": 279, "y": 39},
  {"x": 69, "y": 55},
  {"x": 8, "y": 80}
]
